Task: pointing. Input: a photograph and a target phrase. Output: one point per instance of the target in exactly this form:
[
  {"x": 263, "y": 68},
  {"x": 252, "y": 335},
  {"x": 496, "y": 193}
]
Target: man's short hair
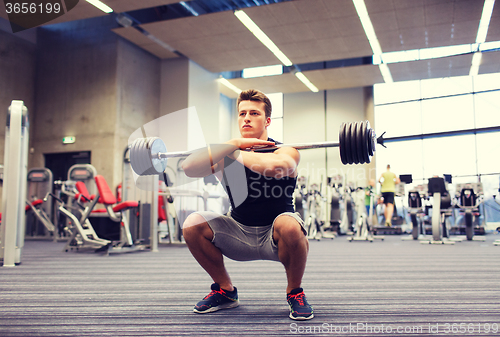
[{"x": 256, "y": 95}]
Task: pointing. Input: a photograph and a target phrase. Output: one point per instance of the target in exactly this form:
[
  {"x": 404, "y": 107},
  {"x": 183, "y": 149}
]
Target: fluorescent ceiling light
[
  {"x": 484, "y": 23},
  {"x": 487, "y": 46},
  {"x": 432, "y": 53},
  {"x": 228, "y": 84},
  {"x": 259, "y": 34},
  {"x": 482, "y": 31},
  {"x": 189, "y": 8},
  {"x": 386, "y": 73},
  {"x": 306, "y": 81},
  {"x": 378, "y": 57},
  {"x": 476, "y": 61},
  {"x": 367, "y": 26},
  {"x": 262, "y": 71},
  {"x": 266, "y": 41},
  {"x": 103, "y": 7},
  {"x": 438, "y": 52},
  {"x": 160, "y": 42}
]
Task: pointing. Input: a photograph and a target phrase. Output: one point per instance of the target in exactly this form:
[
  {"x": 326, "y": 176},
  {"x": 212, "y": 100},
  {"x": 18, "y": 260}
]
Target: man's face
[{"x": 252, "y": 120}]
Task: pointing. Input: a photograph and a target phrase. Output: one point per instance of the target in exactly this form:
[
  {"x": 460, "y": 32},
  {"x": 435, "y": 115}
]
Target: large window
[{"x": 456, "y": 124}]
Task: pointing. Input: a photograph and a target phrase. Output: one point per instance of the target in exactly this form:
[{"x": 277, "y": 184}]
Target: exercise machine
[
  {"x": 299, "y": 196},
  {"x": 364, "y": 225},
  {"x": 470, "y": 197},
  {"x": 83, "y": 234},
  {"x": 417, "y": 211},
  {"x": 14, "y": 186},
  {"x": 312, "y": 223},
  {"x": 79, "y": 229},
  {"x": 39, "y": 222},
  {"x": 334, "y": 184},
  {"x": 441, "y": 209},
  {"x": 347, "y": 210},
  {"x": 143, "y": 189}
]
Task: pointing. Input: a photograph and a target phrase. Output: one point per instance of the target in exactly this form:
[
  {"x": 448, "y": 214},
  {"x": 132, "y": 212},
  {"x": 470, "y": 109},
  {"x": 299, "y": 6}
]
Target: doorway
[{"x": 60, "y": 163}]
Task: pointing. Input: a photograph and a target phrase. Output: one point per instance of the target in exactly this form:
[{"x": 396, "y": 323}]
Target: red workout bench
[{"x": 114, "y": 211}]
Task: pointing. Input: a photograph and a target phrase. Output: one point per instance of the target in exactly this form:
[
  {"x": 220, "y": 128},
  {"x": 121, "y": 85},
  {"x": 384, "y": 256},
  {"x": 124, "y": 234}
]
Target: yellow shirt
[{"x": 389, "y": 183}]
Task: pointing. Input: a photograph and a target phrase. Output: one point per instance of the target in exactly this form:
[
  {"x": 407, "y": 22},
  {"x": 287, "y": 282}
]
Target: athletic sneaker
[
  {"x": 299, "y": 308},
  {"x": 217, "y": 299}
]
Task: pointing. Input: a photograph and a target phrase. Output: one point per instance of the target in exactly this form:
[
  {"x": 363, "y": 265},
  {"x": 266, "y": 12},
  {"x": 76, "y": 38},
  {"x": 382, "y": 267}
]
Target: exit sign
[{"x": 69, "y": 140}]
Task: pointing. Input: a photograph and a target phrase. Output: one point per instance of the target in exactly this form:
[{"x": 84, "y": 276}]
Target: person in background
[
  {"x": 388, "y": 180},
  {"x": 368, "y": 195}
]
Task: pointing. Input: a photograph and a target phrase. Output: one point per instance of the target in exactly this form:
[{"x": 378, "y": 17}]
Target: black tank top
[{"x": 256, "y": 200}]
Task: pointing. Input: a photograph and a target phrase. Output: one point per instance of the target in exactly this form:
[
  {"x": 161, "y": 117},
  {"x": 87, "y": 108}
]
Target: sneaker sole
[
  {"x": 219, "y": 307},
  {"x": 301, "y": 318}
]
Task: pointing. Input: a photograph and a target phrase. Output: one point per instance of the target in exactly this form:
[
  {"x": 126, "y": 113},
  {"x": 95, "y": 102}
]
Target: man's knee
[
  {"x": 194, "y": 226},
  {"x": 289, "y": 228}
]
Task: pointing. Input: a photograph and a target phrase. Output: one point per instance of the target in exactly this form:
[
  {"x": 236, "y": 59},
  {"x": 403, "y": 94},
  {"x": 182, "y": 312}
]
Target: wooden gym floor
[{"x": 356, "y": 288}]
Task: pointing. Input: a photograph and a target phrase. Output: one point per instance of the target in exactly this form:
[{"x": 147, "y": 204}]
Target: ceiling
[{"x": 308, "y": 32}]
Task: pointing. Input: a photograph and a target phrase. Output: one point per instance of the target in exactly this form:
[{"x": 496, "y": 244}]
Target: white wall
[
  {"x": 348, "y": 105},
  {"x": 203, "y": 94},
  {"x": 227, "y": 112},
  {"x": 304, "y": 122},
  {"x": 316, "y": 117}
]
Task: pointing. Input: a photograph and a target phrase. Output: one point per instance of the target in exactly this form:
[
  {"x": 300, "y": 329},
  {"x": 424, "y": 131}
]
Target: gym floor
[{"x": 356, "y": 288}]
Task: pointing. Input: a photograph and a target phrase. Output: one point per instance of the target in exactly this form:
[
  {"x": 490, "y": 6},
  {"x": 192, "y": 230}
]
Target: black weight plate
[
  {"x": 347, "y": 142},
  {"x": 369, "y": 139},
  {"x": 368, "y": 144},
  {"x": 362, "y": 143},
  {"x": 354, "y": 149},
  {"x": 342, "y": 143},
  {"x": 359, "y": 143}
]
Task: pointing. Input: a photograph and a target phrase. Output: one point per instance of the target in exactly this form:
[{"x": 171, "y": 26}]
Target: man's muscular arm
[
  {"x": 278, "y": 164},
  {"x": 208, "y": 160}
]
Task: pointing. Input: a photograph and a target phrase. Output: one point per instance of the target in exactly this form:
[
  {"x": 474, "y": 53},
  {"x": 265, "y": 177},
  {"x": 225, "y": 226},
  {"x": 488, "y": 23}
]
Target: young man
[
  {"x": 261, "y": 224},
  {"x": 388, "y": 180}
]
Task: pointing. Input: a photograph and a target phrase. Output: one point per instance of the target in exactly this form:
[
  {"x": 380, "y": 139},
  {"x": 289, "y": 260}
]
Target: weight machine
[{"x": 39, "y": 224}]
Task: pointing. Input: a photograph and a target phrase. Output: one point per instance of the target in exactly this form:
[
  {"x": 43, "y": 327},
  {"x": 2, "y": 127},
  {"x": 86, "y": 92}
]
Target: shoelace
[
  {"x": 213, "y": 292},
  {"x": 299, "y": 298}
]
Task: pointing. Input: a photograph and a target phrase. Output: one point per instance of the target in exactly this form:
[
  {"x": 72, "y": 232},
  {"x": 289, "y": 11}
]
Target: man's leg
[
  {"x": 198, "y": 236},
  {"x": 293, "y": 247}
]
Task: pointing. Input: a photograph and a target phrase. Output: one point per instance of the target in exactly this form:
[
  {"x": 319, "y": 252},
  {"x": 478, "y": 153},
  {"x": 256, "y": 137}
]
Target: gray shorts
[{"x": 245, "y": 243}]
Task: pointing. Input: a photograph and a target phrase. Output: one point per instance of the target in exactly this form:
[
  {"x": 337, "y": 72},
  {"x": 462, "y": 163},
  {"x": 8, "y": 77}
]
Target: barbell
[{"x": 148, "y": 156}]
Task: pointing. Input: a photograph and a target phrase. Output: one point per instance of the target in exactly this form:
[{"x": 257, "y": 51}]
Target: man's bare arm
[
  {"x": 278, "y": 164},
  {"x": 208, "y": 160}
]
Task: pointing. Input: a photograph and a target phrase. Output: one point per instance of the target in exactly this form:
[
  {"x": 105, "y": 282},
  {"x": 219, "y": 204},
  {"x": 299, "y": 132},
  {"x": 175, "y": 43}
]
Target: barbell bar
[{"x": 148, "y": 156}]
